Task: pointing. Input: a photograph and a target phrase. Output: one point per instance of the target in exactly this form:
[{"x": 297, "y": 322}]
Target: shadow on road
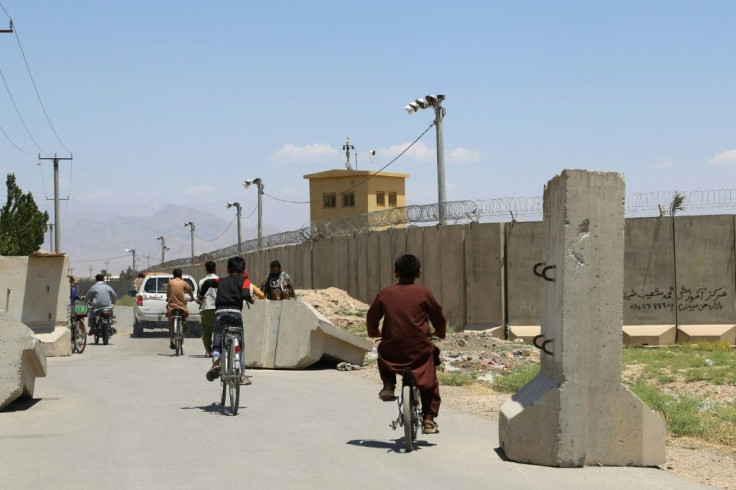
[
  {"x": 21, "y": 404},
  {"x": 396, "y": 446},
  {"x": 212, "y": 408}
]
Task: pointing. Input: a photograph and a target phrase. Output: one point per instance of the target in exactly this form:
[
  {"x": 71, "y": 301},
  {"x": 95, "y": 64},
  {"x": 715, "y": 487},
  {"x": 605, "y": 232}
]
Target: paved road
[{"x": 131, "y": 415}]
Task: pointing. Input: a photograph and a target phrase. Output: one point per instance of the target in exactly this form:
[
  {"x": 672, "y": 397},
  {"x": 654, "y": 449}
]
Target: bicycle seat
[{"x": 177, "y": 311}]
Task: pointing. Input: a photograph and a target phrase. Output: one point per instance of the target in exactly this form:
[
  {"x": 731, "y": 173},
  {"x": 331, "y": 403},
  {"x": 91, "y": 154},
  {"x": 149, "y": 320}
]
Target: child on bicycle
[
  {"x": 407, "y": 310},
  {"x": 232, "y": 290}
]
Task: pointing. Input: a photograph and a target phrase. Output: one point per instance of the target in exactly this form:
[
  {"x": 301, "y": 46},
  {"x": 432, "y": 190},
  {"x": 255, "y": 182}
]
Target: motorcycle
[{"x": 103, "y": 325}]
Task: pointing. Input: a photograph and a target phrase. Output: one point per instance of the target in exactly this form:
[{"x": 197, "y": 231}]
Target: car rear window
[{"x": 158, "y": 284}]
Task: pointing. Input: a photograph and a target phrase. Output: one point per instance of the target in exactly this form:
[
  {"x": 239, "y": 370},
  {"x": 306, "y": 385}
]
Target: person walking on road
[
  {"x": 207, "y": 307},
  {"x": 278, "y": 283}
]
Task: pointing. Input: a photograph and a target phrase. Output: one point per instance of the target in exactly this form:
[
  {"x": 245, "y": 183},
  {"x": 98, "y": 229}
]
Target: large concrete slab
[
  {"x": 649, "y": 272},
  {"x": 291, "y": 334},
  {"x": 452, "y": 267},
  {"x": 35, "y": 290},
  {"x": 484, "y": 276},
  {"x": 57, "y": 343},
  {"x": 706, "y": 292},
  {"x": 649, "y": 335},
  {"x": 523, "y": 288},
  {"x": 21, "y": 360},
  {"x": 577, "y": 412},
  {"x": 707, "y": 333}
]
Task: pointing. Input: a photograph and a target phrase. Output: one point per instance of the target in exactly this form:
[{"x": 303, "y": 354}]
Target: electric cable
[
  {"x": 218, "y": 236},
  {"x": 13, "y": 143},
  {"x": 12, "y": 99}
]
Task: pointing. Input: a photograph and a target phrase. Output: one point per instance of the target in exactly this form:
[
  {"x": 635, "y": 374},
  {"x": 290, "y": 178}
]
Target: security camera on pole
[
  {"x": 435, "y": 101},
  {"x": 259, "y": 186}
]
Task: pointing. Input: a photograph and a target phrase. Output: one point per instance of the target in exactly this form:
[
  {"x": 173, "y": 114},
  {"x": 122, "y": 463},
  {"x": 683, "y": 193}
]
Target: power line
[
  {"x": 12, "y": 99},
  {"x": 218, "y": 236},
  {"x": 364, "y": 180},
  {"x": 13, "y": 143},
  {"x": 38, "y": 95}
]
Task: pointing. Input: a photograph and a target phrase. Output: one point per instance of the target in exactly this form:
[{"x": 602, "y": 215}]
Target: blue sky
[{"x": 179, "y": 101}]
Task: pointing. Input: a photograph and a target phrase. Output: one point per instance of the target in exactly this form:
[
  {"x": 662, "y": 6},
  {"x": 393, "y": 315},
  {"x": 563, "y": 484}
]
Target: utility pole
[
  {"x": 435, "y": 101},
  {"x": 51, "y": 236},
  {"x": 57, "y": 213},
  {"x": 90, "y": 272},
  {"x": 132, "y": 250},
  {"x": 148, "y": 261},
  {"x": 191, "y": 229},
  {"x": 259, "y": 185},
  {"x": 164, "y": 248},
  {"x": 238, "y": 209}
]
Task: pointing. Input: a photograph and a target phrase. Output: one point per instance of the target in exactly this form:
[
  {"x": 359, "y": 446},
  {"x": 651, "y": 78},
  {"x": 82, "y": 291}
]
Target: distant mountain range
[{"x": 101, "y": 242}]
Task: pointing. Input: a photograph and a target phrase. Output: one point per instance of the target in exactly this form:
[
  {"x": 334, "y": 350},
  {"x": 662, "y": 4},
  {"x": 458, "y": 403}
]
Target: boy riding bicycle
[
  {"x": 231, "y": 291},
  {"x": 407, "y": 310}
]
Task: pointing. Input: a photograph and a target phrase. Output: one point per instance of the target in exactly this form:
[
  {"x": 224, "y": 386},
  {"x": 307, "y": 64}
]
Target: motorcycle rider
[{"x": 99, "y": 296}]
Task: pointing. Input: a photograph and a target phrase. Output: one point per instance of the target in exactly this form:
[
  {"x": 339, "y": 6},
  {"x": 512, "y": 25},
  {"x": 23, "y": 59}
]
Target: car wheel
[{"x": 137, "y": 329}]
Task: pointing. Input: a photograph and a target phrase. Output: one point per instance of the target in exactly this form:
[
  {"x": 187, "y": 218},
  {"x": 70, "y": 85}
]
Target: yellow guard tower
[{"x": 340, "y": 193}]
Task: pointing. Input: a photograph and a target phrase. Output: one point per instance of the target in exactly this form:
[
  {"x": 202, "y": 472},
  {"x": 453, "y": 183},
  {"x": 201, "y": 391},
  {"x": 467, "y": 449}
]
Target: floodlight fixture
[{"x": 435, "y": 102}]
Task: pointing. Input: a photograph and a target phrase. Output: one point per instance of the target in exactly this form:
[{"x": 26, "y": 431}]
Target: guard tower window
[
  {"x": 380, "y": 198},
  {"x": 392, "y": 199},
  {"x": 348, "y": 200},
  {"x": 330, "y": 200}
]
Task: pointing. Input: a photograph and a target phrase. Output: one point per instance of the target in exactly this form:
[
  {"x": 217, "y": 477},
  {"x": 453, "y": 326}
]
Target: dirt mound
[{"x": 337, "y": 306}]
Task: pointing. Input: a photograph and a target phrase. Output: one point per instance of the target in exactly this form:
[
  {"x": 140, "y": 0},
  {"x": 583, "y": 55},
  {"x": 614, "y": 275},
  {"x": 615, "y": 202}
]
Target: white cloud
[
  {"x": 462, "y": 155},
  {"x": 307, "y": 153},
  {"x": 199, "y": 189},
  {"x": 420, "y": 151},
  {"x": 724, "y": 159},
  {"x": 666, "y": 164}
]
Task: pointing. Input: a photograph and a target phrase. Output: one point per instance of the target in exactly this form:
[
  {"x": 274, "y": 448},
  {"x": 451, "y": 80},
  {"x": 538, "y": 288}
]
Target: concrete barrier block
[
  {"x": 21, "y": 360},
  {"x": 291, "y": 334},
  {"x": 707, "y": 333},
  {"x": 57, "y": 343},
  {"x": 524, "y": 332},
  {"x": 649, "y": 334}
]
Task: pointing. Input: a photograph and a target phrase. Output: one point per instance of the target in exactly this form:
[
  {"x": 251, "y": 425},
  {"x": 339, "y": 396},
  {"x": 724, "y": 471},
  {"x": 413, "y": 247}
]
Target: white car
[{"x": 149, "y": 309}]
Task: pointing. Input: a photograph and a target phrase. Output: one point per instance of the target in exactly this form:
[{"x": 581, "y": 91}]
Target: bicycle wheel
[
  {"x": 79, "y": 337},
  {"x": 406, "y": 413},
  {"x": 416, "y": 412},
  {"x": 233, "y": 380},
  {"x": 223, "y": 380},
  {"x": 177, "y": 335}
]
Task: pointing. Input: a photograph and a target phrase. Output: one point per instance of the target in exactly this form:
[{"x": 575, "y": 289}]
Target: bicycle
[
  {"x": 410, "y": 410},
  {"x": 77, "y": 313},
  {"x": 230, "y": 367},
  {"x": 178, "y": 328}
]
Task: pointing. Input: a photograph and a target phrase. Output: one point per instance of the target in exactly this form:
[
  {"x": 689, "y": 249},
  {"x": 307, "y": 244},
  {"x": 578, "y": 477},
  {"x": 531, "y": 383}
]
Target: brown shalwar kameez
[{"x": 407, "y": 309}]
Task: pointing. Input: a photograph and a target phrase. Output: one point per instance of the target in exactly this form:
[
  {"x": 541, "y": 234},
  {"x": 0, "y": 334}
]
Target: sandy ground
[{"x": 689, "y": 458}]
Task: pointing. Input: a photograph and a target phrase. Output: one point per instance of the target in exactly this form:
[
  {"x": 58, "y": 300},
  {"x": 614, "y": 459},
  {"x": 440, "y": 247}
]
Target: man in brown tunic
[
  {"x": 176, "y": 298},
  {"x": 407, "y": 309}
]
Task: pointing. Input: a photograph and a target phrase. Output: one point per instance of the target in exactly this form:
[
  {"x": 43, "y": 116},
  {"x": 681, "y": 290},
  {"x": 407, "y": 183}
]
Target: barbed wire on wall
[{"x": 472, "y": 211}]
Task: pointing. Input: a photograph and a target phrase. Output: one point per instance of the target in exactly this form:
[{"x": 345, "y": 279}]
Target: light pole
[
  {"x": 259, "y": 184},
  {"x": 164, "y": 248},
  {"x": 238, "y": 210},
  {"x": 191, "y": 230},
  {"x": 435, "y": 101},
  {"x": 132, "y": 250},
  {"x": 148, "y": 261}
]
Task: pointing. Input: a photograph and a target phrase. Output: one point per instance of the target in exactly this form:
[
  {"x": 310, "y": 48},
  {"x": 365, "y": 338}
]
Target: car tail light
[
  {"x": 237, "y": 348},
  {"x": 139, "y": 300}
]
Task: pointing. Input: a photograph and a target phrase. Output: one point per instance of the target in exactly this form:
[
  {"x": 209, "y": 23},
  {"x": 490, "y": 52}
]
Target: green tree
[{"x": 22, "y": 225}]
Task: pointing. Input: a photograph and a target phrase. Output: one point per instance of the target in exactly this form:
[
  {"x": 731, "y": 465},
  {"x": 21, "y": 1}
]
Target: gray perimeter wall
[{"x": 674, "y": 273}]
